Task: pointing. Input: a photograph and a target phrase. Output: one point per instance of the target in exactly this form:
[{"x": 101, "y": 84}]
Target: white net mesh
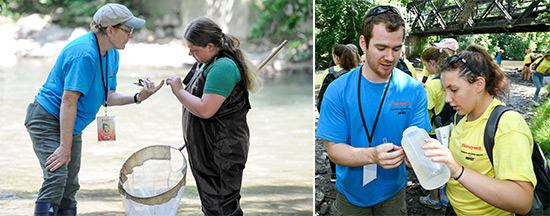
[{"x": 152, "y": 181}]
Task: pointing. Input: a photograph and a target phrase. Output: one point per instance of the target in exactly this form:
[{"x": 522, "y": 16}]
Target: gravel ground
[{"x": 519, "y": 98}]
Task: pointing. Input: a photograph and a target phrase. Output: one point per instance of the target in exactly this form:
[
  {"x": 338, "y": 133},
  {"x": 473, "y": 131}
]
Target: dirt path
[{"x": 520, "y": 99}]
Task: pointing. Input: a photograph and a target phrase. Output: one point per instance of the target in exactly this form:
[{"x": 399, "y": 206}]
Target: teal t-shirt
[{"x": 221, "y": 77}]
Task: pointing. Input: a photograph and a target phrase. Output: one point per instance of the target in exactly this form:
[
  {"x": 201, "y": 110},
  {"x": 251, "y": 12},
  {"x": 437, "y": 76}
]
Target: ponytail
[
  {"x": 231, "y": 44},
  {"x": 435, "y": 54},
  {"x": 348, "y": 57}
]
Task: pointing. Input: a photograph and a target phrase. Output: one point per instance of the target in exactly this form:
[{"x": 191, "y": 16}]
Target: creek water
[{"x": 278, "y": 178}]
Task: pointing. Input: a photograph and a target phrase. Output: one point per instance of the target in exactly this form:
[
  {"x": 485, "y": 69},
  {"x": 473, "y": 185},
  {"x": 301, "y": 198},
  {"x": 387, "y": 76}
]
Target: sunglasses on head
[
  {"x": 382, "y": 9},
  {"x": 452, "y": 60}
]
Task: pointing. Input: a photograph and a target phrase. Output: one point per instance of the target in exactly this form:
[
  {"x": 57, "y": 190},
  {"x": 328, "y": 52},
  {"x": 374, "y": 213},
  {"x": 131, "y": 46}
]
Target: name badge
[
  {"x": 369, "y": 173},
  {"x": 106, "y": 128}
]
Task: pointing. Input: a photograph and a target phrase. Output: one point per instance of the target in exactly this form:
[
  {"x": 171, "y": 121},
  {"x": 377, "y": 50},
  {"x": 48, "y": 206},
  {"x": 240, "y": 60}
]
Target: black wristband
[
  {"x": 461, "y": 172},
  {"x": 135, "y": 99}
]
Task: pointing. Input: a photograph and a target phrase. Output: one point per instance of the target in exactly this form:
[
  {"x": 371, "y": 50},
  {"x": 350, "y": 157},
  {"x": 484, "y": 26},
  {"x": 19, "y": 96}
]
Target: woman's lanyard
[
  {"x": 370, "y": 136},
  {"x": 104, "y": 80}
]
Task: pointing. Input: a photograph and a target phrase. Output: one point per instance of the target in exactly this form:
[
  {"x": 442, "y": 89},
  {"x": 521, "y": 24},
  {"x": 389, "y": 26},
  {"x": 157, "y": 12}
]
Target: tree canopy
[{"x": 339, "y": 22}]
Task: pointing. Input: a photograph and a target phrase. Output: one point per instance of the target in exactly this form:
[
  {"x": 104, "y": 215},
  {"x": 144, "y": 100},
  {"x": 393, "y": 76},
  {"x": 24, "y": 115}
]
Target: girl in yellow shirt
[
  {"x": 471, "y": 81},
  {"x": 538, "y": 68}
]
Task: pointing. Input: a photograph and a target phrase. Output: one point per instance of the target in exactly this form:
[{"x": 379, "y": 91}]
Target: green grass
[{"x": 540, "y": 126}]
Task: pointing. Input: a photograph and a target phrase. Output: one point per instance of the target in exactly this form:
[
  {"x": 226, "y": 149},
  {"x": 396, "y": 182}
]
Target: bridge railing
[{"x": 444, "y": 17}]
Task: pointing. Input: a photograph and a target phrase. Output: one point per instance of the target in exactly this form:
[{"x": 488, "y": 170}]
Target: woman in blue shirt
[{"x": 82, "y": 79}]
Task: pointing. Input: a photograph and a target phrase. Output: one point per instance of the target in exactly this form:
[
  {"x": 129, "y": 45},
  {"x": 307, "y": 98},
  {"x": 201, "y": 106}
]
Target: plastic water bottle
[{"x": 431, "y": 174}]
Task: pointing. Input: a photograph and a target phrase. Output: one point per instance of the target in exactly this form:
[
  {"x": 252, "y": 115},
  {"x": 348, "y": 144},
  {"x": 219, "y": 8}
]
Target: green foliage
[
  {"x": 288, "y": 19},
  {"x": 513, "y": 44},
  {"x": 337, "y": 22},
  {"x": 6, "y": 9},
  {"x": 544, "y": 17},
  {"x": 540, "y": 127},
  {"x": 69, "y": 13}
]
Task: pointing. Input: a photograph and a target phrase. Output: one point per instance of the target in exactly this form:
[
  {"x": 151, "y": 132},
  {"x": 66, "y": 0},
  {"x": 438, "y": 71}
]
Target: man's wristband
[{"x": 135, "y": 99}]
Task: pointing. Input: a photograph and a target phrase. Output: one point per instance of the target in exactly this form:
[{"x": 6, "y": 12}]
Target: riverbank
[
  {"x": 520, "y": 96},
  {"x": 36, "y": 37},
  {"x": 277, "y": 180}
]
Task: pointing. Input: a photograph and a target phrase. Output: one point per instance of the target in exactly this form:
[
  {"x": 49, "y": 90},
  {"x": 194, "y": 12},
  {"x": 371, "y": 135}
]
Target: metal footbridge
[{"x": 457, "y": 17}]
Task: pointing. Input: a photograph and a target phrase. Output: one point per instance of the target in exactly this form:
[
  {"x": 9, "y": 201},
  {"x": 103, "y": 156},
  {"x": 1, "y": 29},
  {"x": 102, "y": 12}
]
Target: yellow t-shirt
[
  {"x": 436, "y": 98},
  {"x": 410, "y": 66},
  {"x": 425, "y": 72},
  {"x": 511, "y": 157},
  {"x": 527, "y": 59},
  {"x": 544, "y": 65}
]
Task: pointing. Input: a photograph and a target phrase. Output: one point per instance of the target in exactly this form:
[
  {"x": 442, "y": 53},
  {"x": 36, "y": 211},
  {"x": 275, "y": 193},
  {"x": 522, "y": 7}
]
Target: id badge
[
  {"x": 106, "y": 128},
  {"x": 369, "y": 173}
]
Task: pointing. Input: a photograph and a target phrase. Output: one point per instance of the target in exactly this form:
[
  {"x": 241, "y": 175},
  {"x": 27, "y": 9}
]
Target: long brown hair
[
  {"x": 348, "y": 56},
  {"x": 435, "y": 54},
  {"x": 202, "y": 31}
]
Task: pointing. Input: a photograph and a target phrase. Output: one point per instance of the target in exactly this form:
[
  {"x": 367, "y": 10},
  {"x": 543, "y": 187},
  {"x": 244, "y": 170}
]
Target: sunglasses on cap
[
  {"x": 452, "y": 60},
  {"x": 382, "y": 9}
]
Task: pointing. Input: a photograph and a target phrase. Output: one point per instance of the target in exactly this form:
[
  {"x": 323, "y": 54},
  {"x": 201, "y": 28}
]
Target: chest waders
[{"x": 218, "y": 146}]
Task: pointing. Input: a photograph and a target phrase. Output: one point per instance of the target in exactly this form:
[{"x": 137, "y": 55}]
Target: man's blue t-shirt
[
  {"x": 340, "y": 122},
  {"x": 77, "y": 69}
]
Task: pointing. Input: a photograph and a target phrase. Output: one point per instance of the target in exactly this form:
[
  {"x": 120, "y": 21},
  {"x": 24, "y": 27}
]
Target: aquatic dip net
[{"x": 152, "y": 181}]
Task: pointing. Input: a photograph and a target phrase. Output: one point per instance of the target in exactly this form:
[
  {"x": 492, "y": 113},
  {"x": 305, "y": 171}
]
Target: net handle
[
  {"x": 272, "y": 55},
  {"x": 183, "y": 146}
]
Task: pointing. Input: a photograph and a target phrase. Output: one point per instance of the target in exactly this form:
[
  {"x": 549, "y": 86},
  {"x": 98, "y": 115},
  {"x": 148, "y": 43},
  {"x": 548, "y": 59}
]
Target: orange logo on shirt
[
  {"x": 401, "y": 103},
  {"x": 471, "y": 147}
]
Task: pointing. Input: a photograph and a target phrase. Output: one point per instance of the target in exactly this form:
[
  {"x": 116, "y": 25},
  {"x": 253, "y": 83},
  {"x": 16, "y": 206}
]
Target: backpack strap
[
  {"x": 331, "y": 70},
  {"x": 331, "y": 76},
  {"x": 341, "y": 72},
  {"x": 401, "y": 65},
  {"x": 337, "y": 74},
  {"x": 540, "y": 167},
  {"x": 491, "y": 129}
]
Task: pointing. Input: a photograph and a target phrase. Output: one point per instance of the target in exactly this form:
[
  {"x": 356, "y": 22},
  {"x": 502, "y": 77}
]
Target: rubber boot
[
  {"x": 67, "y": 211},
  {"x": 45, "y": 208}
]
